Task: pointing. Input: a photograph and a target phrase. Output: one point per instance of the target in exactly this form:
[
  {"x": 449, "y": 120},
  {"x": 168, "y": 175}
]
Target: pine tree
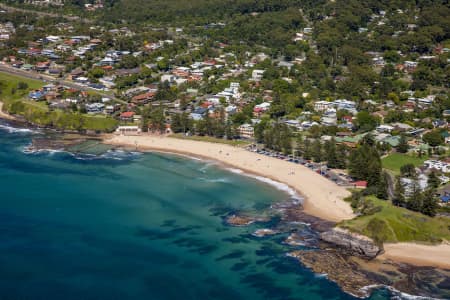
[
  {"x": 430, "y": 203},
  {"x": 341, "y": 157},
  {"x": 307, "y": 151},
  {"x": 399, "y": 193},
  {"x": 383, "y": 185},
  {"x": 268, "y": 139},
  {"x": 433, "y": 180},
  {"x": 415, "y": 201},
  {"x": 408, "y": 170},
  {"x": 317, "y": 151},
  {"x": 331, "y": 155},
  {"x": 285, "y": 140},
  {"x": 298, "y": 144}
]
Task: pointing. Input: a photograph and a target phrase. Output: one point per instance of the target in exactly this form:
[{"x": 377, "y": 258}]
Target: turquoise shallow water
[{"x": 138, "y": 226}]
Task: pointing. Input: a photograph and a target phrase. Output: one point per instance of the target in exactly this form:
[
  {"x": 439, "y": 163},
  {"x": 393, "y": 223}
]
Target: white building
[
  {"x": 322, "y": 105},
  {"x": 246, "y": 131},
  {"x": 128, "y": 130},
  {"x": 257, "y": 75}
]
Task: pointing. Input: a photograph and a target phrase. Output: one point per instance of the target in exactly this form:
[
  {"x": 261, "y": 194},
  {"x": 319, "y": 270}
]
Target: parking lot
[{"x": 337, "y": 176}]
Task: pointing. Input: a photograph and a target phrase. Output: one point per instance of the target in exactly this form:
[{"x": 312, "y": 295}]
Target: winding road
[{"x": 46, "y": 78}]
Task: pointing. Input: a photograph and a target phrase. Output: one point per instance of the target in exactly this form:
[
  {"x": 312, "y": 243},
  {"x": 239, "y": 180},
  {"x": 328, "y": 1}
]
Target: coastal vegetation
[
  {"x": 385, "y": 222},
  {"x": 41, "y": 115},
  {"x": 16, "y": 87},
  {"x": 13, "y": 92}
]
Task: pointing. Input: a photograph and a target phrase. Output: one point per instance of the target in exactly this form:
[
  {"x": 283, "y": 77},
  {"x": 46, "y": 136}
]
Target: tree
[
  {"x": 365, "y": 121},
  {"x": 341, "y": 157},
  {"x": 259, "y": 130},
  {"x": 307, "y": 149},
  {"x": 433, "y": 180},
  {"x": 383, "y": 185},
  {"x": 365, "y": 164},
  {"x": 317, "y": 151},
  {"x": 415, "y": 201},
  {"x": 433, "y": 138},
  {"x": 158, "y": 120},
  {"x": 399, "y": 193},
  {"x": 408, "y": 170},
  {"x": 378, "y": 230},
  {"x": 331, "y": 155},
  {"x": 430, "y": 203},
  {"x": 403, "y": 146},
  {"x": 22, "y": 85}
]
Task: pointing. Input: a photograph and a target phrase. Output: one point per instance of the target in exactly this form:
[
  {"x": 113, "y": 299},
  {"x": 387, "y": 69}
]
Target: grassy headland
[
  {"x": 14, "y": 90},
  {"x": 392, "y": 224}
]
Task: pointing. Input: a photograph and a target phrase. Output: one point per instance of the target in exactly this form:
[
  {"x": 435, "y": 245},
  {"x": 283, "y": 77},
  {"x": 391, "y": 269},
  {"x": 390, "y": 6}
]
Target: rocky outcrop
[{"x": 357, "y": 244}]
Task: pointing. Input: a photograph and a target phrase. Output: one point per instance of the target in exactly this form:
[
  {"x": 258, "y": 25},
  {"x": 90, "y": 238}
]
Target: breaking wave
[
  {"x": 278, "y": 185},
  {"x": 11, "y": 129}
]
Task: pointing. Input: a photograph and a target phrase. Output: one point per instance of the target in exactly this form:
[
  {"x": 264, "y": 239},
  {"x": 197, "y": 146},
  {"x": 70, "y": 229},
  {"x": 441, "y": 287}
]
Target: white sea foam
[
  {"x": 119, "y": 154},
  {"x": 30, "y": 150},
  {"x": 11, "y": 129},
  {"x": 110, "y": 154},
  {"x": 216, "y": 180},
  {"x": 206, "y": 166},
  {"x": 278, "y": 185},
  {"x": 395, "y": 294},
  {"x": 323, "y": 275}
]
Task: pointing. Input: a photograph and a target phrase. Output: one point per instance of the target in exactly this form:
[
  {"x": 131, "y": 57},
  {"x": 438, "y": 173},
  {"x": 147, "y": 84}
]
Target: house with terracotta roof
[
  {"x": 143, "y": 98},
  {"x": 127, "y": 116},
  {"x": 361, "y": 184}
]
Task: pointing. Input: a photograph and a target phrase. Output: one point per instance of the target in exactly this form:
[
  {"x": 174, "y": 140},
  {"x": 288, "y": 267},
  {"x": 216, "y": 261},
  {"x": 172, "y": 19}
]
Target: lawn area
[
  {"x": 39, "y": 114},
  {"x": 210, "y": 139},
  {"x": 395, "y": 161},
  {"x": 9, "y": 82},
  {"x": 396, "y": 224}
]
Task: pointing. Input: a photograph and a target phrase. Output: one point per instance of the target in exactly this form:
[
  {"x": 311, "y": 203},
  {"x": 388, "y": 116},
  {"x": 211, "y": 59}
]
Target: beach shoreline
[
  {"x": 321, "y": 197},
  {"x": 418, "y": 254},
  {"x": 317, "y": 191}
]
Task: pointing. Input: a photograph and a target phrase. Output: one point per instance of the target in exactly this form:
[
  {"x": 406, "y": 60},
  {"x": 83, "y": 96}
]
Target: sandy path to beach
[
  {"x": 323, "y": 198},
  {"x": 419, "y": 255},
  {"x": 4, "y": 115}
]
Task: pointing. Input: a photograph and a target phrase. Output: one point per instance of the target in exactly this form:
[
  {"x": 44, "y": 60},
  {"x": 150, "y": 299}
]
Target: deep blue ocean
[{"x": 138, "y": 226}]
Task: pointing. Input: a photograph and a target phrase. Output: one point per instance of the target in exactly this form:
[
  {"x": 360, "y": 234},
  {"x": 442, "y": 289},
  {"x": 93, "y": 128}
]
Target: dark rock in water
[
  {"x": 358, "y": 276},
  {"x": 355, "y": 243},
  {"x": 337, "y": 268},
  {"x": 236, "y": 220},
  {"x": 302, "y": 239}
]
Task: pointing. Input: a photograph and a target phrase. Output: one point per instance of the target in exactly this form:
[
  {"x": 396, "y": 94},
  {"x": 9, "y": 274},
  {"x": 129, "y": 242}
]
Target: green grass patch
[
  {"x": 39, "y": 114},
  {"x": 9, "y": 86},
  {"x": 395, "y": 161},
  {"x": 210, "y": 139},
  {"x": 395, "y": 224}
]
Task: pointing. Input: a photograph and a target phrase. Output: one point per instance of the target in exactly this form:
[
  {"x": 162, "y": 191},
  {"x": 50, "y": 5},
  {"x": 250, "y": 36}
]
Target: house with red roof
[
  {"x": 127, "y": 116},
  {"x": 361, "y": 184},
  {"x": 143, "y": 98}
]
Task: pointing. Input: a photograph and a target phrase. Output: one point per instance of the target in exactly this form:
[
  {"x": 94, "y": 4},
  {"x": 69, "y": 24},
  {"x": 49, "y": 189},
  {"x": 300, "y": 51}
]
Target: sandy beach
[
  {"x": 323, "y": 198},
  {"x": 417, "y": 254}
]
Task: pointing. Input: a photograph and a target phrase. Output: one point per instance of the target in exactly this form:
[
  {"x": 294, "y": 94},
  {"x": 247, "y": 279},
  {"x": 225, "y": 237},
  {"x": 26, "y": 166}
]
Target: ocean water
[{"x": 138, "y": 226}]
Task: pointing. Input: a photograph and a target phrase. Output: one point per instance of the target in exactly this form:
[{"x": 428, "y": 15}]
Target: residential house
[
  {"x": 246, "y": 131},
  {"x": 127, "y": 116}
]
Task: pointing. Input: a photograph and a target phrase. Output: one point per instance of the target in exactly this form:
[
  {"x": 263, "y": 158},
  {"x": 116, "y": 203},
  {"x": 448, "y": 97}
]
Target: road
[
  {"x": 46, "y": 78},
  {"x": 42, "y": 13}
]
